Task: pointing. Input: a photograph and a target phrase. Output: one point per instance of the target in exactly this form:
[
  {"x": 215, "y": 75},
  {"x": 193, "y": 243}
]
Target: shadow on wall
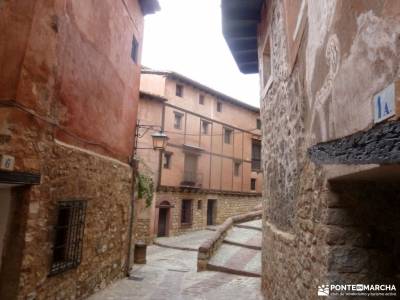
[{"x": 364, "y": 233}]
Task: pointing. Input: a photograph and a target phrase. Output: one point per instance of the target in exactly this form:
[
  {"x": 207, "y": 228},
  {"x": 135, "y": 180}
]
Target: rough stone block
[{"x": 347, "y": 260}]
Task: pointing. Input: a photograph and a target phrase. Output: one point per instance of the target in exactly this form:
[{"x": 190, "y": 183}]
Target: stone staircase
[{"x": 240, "y": 252}]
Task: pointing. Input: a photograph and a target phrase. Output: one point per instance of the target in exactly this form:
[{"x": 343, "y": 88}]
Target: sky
[{"x": 186, "y": 37}]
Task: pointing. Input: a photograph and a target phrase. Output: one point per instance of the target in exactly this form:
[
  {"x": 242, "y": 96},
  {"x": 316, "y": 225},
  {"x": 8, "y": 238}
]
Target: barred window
[{"x": 68, "y": 238}]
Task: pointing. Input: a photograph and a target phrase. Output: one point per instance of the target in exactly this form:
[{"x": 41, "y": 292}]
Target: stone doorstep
[
  {"x": 247, "y": 227},
  {"x": 230, "y": 242},
  {"x": 211, "y": 228},
  {"x": 216, "y": 268},
  {"x": 176, "y": 247}
]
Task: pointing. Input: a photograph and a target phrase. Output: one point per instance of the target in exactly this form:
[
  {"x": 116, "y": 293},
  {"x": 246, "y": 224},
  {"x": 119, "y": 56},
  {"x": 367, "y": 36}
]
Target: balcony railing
[{"x": 192, "y": 179}]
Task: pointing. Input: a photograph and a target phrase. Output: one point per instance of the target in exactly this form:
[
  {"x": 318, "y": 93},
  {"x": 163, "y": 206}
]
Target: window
[
  {"x": 237, "y": 168},
  {"x": 199, "y": 204},
  {"x": 255, "y": 155},
  {"x": 204, "y": 127},
  {"x": 135, "y": 50},
  {"x": 266, "y": 63},
  {"x": 201, "y": 99},
  {"x": 253, "y": 184},
  {"x": 167, "y": 160},
  {"x": 227, "y": 135},
  {"x": 190, "y": 175},
  {"x": 179, "y": 90},
  {"x": 68, "y": 238},
  {"x": 178, "y": 120},
  {"x": 186, "y": 212},
  {"x": 258, "y": 124},
  {"x": 219, "y": 106}
]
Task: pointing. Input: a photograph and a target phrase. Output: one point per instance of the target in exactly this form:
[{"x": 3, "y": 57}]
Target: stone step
[
  {"x": 176, "y": 247},
  {"x": 248, "y": 227},
  {"x": 212, "y": 267},
  {"x": 230, "y": 242},
  {"x": 245, "y": 236}
]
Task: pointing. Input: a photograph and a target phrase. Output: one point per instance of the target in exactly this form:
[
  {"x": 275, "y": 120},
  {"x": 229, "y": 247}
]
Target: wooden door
[
  {"x": 210, "y": 212},
  {"x": 162, "y": 222}
]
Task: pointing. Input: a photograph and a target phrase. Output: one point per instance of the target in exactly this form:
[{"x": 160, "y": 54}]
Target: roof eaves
[
  {"x": 239, "y": 27},
  {"x": 200, "y": 86}
]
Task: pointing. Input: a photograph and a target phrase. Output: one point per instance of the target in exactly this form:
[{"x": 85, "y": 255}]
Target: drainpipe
[{"x": 134, "y": 165}]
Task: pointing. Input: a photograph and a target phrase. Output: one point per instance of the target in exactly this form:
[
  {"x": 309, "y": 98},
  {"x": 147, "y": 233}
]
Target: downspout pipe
[{"x": 134, "y": 165}]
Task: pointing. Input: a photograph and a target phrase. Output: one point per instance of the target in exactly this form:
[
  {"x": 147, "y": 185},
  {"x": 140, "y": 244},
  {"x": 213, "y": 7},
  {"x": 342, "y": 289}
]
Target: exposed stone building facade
[
  {"x": 69, "y": 89},
  {"x": 329, "y": 73},
  {"x": 211, "y": 167}
]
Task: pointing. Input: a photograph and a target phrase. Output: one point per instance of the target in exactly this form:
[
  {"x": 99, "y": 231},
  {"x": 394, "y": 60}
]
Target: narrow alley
[
  {"x": 170, "y": 271},
  {"x": 199, "y": 149}
]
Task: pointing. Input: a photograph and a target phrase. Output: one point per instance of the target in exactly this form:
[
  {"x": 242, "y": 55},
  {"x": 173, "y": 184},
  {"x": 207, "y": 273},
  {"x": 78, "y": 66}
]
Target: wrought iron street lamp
[{"x": 160, "y": 140}]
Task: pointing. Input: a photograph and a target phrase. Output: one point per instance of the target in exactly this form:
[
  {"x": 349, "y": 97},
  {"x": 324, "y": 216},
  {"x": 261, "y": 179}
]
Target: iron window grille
[
  {"x": 68, "y": 237},
  {"x": 256, "y": 155}
]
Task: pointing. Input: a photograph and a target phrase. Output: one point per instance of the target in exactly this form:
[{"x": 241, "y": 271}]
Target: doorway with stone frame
[
  {"x": 14, "y": 211},
  {"x": 211, "y": 211},
  {"x": 164, "y": 213}
]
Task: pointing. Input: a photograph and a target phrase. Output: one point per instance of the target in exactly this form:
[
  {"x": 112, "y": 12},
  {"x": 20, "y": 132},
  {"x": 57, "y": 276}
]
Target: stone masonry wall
[
  {"x": 67, "y": 173},
  {"x": 226, "y": 206},
  {"x": 363, "y": 233},
  {"x": 312, "y": 233}
]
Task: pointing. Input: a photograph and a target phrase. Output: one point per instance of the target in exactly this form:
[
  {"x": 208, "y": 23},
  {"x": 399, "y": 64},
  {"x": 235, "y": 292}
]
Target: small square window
[
  {"x": 266, "y": 63},
  {"x": 237, "y": 168},
  {"x": 179, "y": 90},
  {"x": 258, "y": 124},
  {"x": 253, "y": 184},
  {"x": 178, "y": 120},
  {"x": 227, "y": 135},
  {"x": 167, "y": 160},
  {"x": 201, "y": 99},
  {"x": 135, "y": 50},
  {"x": 204, "y": 127},
  {"x": 68, "y": 236},
  {"x": 219, "y": 106},
  {"x": 199, "y": 204}
]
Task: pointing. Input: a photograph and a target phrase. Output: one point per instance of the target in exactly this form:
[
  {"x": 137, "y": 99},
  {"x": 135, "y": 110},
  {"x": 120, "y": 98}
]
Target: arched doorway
[{"x": 163, "y": 218}]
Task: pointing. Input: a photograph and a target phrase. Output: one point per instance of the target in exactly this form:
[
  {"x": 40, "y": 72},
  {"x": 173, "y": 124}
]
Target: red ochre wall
[{"x": 70, "y": 61}]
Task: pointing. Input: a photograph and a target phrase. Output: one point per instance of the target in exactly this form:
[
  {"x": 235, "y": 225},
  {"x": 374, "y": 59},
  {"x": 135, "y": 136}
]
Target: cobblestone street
[{"x": 171, "y": 274}]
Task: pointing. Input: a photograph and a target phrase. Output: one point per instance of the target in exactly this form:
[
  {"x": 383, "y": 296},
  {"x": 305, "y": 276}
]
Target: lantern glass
[{"x": 159, "y": 140}]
